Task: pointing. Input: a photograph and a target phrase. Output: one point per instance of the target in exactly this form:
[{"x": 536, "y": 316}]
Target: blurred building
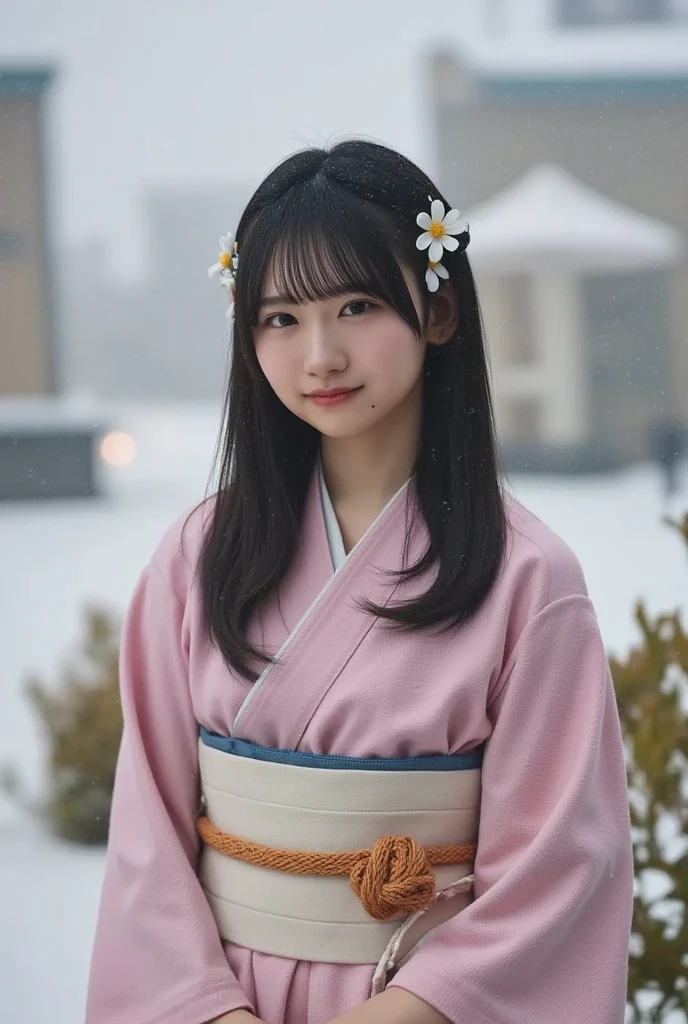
[
  {"x": 163, "y": 336},
  {"x": 47, "y": 445},
  {"x": 27, "y": 337},
  {"x": 564, "y": 135}
]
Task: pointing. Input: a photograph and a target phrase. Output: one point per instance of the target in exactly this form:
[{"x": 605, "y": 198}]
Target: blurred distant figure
[{"x": 668, "y": 443}]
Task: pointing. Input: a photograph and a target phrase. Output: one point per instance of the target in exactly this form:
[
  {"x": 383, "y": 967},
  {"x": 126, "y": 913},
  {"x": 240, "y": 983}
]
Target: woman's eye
[
  {"x": 357, "y": 307},
  {"x": 280, "y": 320}
]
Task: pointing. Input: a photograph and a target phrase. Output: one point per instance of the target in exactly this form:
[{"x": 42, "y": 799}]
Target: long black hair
[{"x": 327, "y": 222}]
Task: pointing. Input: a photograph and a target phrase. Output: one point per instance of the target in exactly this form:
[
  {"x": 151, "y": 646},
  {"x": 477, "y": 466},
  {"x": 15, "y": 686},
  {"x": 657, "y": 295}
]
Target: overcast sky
[{"x": 165, "y": 92}]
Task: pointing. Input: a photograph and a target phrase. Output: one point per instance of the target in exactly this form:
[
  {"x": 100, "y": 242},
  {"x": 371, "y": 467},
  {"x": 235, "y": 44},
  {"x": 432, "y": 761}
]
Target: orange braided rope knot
[{"x": 394, "y": 877}]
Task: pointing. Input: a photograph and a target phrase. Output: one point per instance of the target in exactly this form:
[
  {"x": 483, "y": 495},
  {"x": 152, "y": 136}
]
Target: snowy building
[
  {"x": 27, "y": 344},
  {"x": 562, "y": 117},
  {"x": 539, "y": 272},
  {"x": 47, "y": 449}
]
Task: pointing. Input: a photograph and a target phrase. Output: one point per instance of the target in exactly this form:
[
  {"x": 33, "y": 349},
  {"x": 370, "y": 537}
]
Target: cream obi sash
[{"x": 291, "y": 801}]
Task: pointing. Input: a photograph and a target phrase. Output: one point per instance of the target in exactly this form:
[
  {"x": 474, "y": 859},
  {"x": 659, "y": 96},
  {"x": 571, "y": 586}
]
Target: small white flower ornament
[
  {"x": 438, "y": 234},
  {"x": 433, "y": 274},
  {"x": 226, "y": 266}
]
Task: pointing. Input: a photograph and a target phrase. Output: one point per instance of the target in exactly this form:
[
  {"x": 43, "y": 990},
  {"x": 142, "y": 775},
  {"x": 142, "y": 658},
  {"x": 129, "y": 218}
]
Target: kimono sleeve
[
  {"x": 157, "y": 955},
  {"x": 546, "y": 939}
]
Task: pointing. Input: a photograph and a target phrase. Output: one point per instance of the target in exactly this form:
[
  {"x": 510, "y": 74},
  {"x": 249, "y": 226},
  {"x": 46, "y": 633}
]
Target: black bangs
[{"x": 319, "y": 242}]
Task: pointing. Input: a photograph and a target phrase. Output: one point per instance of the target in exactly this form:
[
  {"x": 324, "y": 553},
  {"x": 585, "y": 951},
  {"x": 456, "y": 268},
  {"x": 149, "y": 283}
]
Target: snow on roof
[
  {"x": 550, "y": 215},
  {"x": 626, "y": 51},
  {"x": 50, "y": 412}
]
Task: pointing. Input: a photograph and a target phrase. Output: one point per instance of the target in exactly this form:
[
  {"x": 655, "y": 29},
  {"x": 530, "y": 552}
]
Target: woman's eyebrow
[{"x": 274, "y": 300}]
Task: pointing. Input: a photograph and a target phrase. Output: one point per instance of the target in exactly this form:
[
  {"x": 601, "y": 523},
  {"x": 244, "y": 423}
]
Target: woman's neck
[{"x": 367, "y": 469}]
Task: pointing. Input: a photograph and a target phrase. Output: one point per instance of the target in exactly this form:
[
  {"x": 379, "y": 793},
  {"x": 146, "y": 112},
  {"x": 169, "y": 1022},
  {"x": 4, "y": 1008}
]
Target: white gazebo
[{"x": 552, "y": 228}]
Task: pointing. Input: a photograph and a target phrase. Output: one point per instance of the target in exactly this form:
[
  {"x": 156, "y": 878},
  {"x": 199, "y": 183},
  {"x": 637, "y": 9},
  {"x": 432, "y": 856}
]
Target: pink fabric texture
[{"x": 545, "y": 940}]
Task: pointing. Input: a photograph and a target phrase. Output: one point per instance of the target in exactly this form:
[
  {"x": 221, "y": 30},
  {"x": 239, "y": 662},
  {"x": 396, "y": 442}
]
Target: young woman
[{"x": 372, "y": 768}]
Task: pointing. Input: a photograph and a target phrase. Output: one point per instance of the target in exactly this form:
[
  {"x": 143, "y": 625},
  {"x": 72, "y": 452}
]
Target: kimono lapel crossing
[{"x": 306, "y": 666}]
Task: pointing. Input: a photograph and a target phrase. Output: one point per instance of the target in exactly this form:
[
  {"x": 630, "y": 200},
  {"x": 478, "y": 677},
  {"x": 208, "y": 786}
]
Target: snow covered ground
[{"x": 55, "y": 559}]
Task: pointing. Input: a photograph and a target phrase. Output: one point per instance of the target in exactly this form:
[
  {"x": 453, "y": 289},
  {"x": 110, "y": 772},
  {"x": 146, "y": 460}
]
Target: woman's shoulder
[
  {"x": 539, "y": 562},
  {"x": 175, "y": 558}
]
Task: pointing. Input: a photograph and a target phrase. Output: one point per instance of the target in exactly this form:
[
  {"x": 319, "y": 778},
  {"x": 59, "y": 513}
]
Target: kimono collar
[{"x": 334, "y": 533}]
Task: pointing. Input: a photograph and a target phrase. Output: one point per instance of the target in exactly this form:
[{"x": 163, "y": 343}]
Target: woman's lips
[{"x": 335, "y": 396}]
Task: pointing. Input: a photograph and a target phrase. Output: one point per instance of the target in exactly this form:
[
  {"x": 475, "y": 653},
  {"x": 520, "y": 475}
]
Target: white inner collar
[
  {"x": 335, "y": 540},
  {"x": 334, "y": 534}
]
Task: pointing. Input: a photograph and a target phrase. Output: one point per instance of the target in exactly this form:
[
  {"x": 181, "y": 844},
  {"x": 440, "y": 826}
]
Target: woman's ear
[{"x": 443, "y": 316}]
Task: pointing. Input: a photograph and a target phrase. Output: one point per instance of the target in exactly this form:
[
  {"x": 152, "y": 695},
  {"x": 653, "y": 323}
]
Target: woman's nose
[{"x": 323, "y": 354}]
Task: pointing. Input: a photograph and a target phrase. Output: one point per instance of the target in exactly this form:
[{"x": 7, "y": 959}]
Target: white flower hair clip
[
  {"x": 226, "y": 267},
  {"x": 438, "y": 232}
]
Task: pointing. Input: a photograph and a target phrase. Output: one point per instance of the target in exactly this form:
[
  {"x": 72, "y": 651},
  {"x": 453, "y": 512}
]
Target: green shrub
[
  {"x": 82, "y": 721},
  {"x": 652, "y": 692}
]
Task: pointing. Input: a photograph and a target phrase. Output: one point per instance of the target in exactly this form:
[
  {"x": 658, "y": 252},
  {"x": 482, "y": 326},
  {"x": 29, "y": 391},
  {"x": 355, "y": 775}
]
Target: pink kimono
[{"x": 545, "y": 940}]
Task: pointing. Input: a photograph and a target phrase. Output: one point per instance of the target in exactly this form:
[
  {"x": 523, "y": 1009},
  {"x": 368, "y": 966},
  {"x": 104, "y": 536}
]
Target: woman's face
[{"x": 354, "y": 343}]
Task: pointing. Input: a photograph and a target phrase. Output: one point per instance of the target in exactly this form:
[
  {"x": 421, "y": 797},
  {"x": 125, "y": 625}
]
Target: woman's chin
[{"x": 342, "y": 425}]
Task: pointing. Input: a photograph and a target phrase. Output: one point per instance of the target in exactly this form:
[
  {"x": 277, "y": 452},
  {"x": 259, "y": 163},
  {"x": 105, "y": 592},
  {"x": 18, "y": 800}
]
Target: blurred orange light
[{"x": 117, "y": 449}]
